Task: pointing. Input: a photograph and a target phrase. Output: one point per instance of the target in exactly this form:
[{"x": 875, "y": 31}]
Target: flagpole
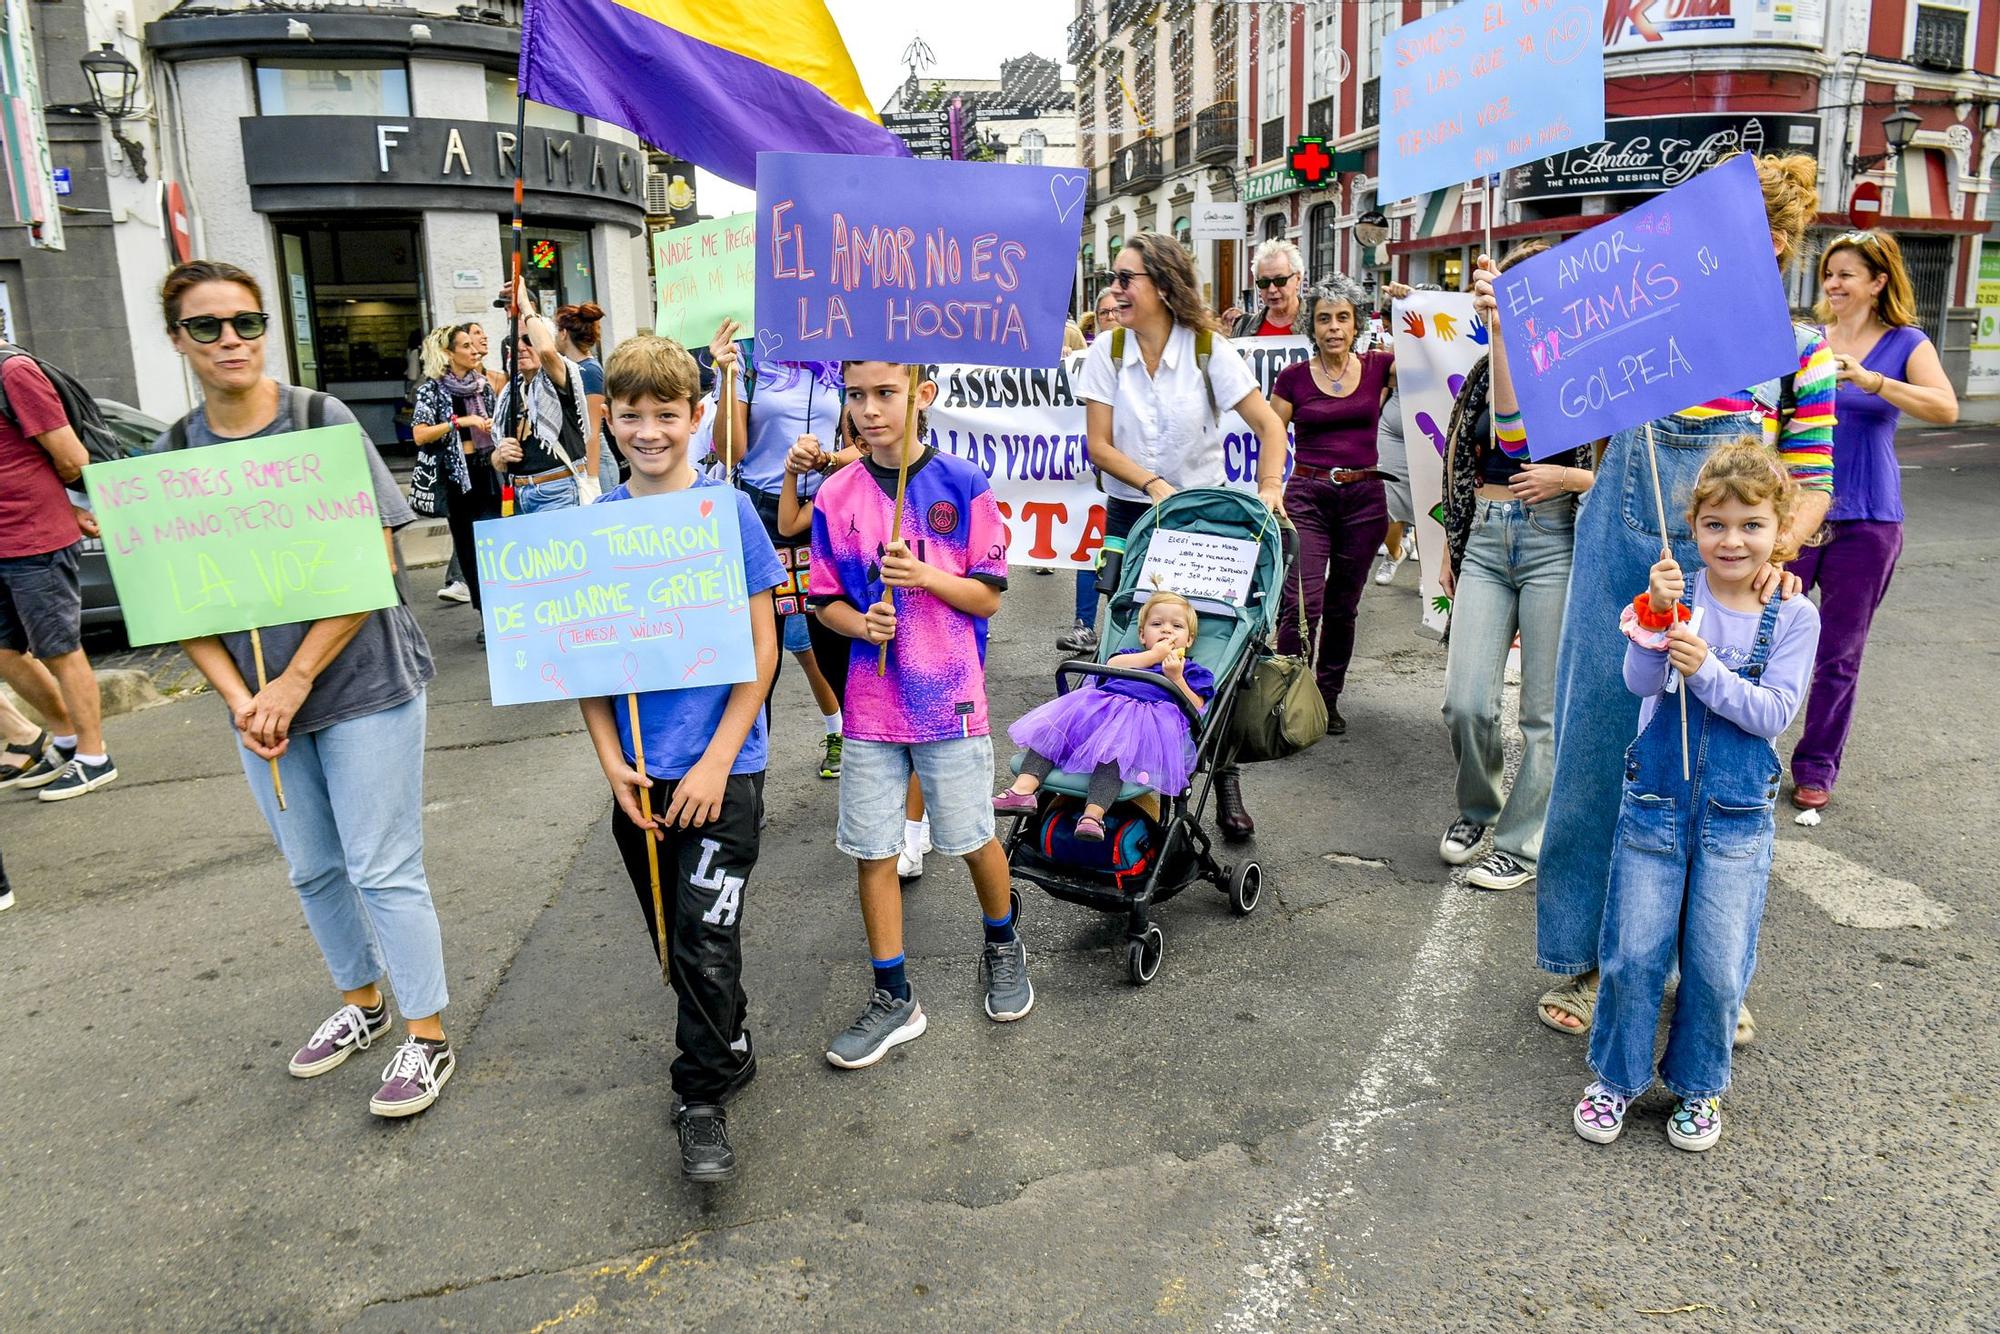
[{"x": 514, "y": 283}]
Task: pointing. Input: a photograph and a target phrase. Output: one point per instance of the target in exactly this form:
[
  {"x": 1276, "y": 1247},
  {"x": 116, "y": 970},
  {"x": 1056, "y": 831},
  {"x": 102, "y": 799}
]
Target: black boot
[
  {"x": 1229, "y": 811},
  {"x": 704, "y": 1133}
]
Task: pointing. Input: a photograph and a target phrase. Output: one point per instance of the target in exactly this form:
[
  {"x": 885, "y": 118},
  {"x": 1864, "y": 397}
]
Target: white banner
[
  {"x": 1024, "y": 429},
  {"x": 1436, "y": 344}
]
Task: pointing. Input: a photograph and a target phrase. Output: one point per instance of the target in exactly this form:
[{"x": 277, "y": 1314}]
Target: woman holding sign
[
  {"x": 1618, "y": 540},
  {"x": 1154, "y": 413},
  {"x": 339, "y": 708},
  {"x": 1886, "y": 367}
]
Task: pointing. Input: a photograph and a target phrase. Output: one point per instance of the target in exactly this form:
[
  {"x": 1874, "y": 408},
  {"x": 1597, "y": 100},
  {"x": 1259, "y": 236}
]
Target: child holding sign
[
  {"x": 1692, "y": 856},
  {"x": 705, "y": 753},
  {"x": 920, "y": 584}
]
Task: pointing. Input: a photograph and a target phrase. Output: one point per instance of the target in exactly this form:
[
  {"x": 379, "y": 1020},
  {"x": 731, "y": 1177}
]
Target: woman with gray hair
[
  {"x": 1335, "y": 496},
  {"x": 1280, "y": 313}
]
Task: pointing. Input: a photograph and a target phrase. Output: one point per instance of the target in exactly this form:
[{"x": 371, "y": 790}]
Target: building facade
[
  {"x": 1687, "y": 81},
  {"x": 1027, "y": 115},
  {"x": 358, "y": 160}
]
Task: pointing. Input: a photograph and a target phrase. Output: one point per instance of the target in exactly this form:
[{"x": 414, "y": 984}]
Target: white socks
[{"x": 832, "y": 721}]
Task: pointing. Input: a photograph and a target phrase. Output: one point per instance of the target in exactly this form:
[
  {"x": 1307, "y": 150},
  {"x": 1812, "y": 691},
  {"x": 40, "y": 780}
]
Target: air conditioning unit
[{"x": 656, "y": 194}]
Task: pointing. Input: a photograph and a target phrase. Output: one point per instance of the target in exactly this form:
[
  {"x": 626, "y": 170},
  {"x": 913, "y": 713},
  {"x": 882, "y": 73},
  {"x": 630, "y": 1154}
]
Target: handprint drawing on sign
[
  {"x": 1478, "y": 331},
  {"x": 1430, "y": 428},
  {"x": 1413, "y": 324},
  {"x": 1447, "y": 327}
]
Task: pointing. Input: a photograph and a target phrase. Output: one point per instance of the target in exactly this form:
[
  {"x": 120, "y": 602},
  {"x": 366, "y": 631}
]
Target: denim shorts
[
  {"x": 957, "y": 778},
  {"x": 41, "y": 603},
  {"x": 798, "y": 635}
]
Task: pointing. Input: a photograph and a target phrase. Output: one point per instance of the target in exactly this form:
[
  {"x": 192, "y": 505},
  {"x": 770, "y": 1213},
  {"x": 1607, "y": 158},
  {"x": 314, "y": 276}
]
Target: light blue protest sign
[
  {"x": 634, "y": 595},
  {"x": 1485, "y": 85},
  {"x": 1662, "y": 308},
  {"x": 910, "y": 260}
]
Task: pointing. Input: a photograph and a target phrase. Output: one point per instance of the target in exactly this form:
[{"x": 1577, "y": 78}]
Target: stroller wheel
[
  {"x": 1142, "y": 956},
  {"x": 1246, "y": 886}
]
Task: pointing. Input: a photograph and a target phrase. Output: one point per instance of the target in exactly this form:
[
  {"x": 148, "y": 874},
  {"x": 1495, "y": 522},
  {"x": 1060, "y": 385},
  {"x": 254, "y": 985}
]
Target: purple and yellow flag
[{"x": 713, "y": 81}]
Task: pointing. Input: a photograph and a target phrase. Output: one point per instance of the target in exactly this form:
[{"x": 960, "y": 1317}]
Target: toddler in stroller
[{"x": 1121, "y": 731}]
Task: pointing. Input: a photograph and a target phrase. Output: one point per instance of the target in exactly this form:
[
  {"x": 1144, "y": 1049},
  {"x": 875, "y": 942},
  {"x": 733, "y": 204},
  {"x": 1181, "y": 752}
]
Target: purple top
[
  {"x": 1336, "y": 432},
  {"x": 1764, "y": 707},
  {"x": 1867, "y": 483}
]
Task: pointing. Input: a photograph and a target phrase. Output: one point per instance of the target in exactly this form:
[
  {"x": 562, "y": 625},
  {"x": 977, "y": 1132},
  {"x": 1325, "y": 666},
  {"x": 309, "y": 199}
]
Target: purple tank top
[{"x": 1867, "y": 484}]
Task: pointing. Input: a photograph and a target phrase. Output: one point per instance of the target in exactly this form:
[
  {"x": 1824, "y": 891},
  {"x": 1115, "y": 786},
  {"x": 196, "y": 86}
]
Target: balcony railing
[
  {"x": 1136, "y": 167},
  {"x": 1125, "y": 13},
  {"x": 1082, "y": 37},
  {"x": 1215, "y": 133}
]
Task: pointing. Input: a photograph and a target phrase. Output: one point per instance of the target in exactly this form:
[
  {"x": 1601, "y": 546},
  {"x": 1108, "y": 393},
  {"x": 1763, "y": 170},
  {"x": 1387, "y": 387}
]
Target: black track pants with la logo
[{"x": 702, "y": 877}]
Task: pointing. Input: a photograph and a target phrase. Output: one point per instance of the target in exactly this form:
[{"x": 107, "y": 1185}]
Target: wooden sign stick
[
  {"x": 1667, "y": 550},
  {"x": 902, "y": 482},
  {"x": 652, "y": 844},
  {"x": 726, "y": 403},
  {"x": 257, "y": 653}
]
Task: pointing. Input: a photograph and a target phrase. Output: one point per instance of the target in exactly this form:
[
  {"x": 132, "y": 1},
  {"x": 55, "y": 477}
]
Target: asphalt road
[{"x": 1338, "y": 1111}]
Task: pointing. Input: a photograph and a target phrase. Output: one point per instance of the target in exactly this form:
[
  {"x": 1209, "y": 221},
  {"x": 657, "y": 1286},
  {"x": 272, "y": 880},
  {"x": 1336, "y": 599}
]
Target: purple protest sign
[
  {"x": 911, "y": 260},
  {"x": 1660, "y": 309}
]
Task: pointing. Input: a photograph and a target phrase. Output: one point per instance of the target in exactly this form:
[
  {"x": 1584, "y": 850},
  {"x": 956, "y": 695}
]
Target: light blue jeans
[
  {"x": 956, "y": 775},
  {"x": 1515, "y": 576},
  {"x": 557, "y": 495},
  {"x": 353, "y": 835}
]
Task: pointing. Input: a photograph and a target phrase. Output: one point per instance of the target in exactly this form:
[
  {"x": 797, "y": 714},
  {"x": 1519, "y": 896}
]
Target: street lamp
[
  {"x": 1899, "y": 130},
  {"x": 114, "y": 81}
]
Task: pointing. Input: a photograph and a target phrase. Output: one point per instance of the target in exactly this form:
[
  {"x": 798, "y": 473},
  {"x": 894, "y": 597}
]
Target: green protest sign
[
  {"x": 705, "y": 274},
  {"x": 263, "y": 532}
]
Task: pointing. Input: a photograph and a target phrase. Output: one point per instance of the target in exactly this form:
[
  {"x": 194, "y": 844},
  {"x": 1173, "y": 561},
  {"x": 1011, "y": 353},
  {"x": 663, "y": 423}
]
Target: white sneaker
[
  {"x": 910, "y": 861},
  {"x": 6, "y": 900},
  {"x": 455, "y": 591},
  {"x": 1386, "y": 567}
]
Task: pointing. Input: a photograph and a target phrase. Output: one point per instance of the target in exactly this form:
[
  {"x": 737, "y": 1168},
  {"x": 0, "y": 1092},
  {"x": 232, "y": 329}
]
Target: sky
[{"x": 965, "y": 36}]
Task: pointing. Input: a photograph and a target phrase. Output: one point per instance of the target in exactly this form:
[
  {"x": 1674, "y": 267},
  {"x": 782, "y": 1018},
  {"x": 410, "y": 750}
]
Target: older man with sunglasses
[{"x": 1280, "y": 284}]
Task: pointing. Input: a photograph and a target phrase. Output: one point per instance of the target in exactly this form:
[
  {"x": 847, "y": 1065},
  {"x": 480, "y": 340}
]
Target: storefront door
[{"x": 354, "y": 314}]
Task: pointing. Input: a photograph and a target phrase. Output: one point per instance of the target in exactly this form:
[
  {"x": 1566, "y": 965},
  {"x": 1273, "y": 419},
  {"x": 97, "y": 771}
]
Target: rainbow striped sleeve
[
  {"x": 1807, "y": 445},
  {"x": 1511, "y": 435}
]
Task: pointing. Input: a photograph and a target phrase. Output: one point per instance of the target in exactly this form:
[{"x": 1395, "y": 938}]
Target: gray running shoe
[
  {"x": 886, "y": 1023},
  {"x": 1009, "y": 993},
  {"x": 1080, "y": 639}
]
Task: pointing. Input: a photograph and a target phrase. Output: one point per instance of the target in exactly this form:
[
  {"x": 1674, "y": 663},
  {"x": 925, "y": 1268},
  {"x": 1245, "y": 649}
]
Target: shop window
[
  {"x": 331, "y": 88},
  {"x": 1450, "y": 271},
  {"x": 1321, "y": 237},
  {"x": 1274, "y": 226},
  {"x": 500, "y": 106},
  {"x": 555, "y": 263}
]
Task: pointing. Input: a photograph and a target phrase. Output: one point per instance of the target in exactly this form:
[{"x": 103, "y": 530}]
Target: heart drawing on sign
[
  {"x": 1066, "y": 188},
  {"x": 768, "y": 344},
  {"x": 707, "y": 508}
]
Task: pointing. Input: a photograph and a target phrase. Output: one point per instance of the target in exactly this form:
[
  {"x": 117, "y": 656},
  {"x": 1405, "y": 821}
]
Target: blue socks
[
  {"x": 1000, "y": 932},
  {"x": 890, "y": 977}
]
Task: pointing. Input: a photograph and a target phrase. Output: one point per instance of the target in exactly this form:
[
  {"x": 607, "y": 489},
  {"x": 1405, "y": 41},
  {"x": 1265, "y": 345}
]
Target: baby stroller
[{"x": 1145, "y": 859}]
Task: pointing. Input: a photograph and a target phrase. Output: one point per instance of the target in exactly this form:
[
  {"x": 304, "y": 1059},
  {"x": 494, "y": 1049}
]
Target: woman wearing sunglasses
[
  {"x": 1886, "y": 367},
  {"x": 343, "y": 715},
  {"x": 1153, "y": 414},
  {"x": 454, "y": 417}
]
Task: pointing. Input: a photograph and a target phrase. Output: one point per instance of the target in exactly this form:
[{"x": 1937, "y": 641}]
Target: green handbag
[{"x": 1279, "y": 710}]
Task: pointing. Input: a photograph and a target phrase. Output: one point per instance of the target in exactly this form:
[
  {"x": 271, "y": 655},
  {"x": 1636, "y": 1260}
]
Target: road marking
[
  {"x": 1976, "y": 444},
  {"x": 1296, "y": 1251},
  {"x": 1852, "y": 894}
]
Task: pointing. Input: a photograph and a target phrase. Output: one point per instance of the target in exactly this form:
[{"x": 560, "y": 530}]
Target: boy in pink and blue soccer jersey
[{"x": 927, "y": 597}]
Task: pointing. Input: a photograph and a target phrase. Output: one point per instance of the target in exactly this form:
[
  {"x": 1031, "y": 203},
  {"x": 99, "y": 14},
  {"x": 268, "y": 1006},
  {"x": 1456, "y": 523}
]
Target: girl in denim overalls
[{"x": 1691, "y": 856}]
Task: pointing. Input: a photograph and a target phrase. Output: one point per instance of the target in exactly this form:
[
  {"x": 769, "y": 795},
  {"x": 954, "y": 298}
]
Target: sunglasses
[
  {"x": 1126, "y": 277},
  {"x": 1267, "y": 283},
  {"x": 207, "y": 328}
]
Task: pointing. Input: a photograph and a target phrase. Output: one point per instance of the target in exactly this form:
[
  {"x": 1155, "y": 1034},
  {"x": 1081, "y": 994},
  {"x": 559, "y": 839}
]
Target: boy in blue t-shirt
[{"x": 705, "y": 756}]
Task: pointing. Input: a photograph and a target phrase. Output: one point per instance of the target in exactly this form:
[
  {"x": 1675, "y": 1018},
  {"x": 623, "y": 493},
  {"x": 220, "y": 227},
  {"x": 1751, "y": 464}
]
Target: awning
[
  {"x": 1440, "y": 213},
  {"x": 1922, "y": 188}
]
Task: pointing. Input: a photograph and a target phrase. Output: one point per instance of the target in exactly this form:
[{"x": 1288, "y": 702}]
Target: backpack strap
[
  {"x": 7, "y": 354},
  {"x": 1204, "y": 346},
  {"x": 308, "y": 406},
  {"x": 1117, "y": 352}
]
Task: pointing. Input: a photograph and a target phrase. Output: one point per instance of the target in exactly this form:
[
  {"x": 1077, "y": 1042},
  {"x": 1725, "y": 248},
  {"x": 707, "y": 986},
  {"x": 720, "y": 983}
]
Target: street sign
[
  {"x": 1864, "y": 209},
  {"x": 1313, "y": 165},
  {"x": 1217, "y": 222},
  {"x": 61, "y": 178}
]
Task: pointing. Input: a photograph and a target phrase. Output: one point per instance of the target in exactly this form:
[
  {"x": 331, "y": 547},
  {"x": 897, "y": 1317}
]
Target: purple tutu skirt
[{"x": 1147, "y": 739}]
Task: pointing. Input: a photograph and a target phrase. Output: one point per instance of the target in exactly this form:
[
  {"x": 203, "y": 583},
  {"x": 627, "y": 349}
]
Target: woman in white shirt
[{"x": 1154, "y": 416}]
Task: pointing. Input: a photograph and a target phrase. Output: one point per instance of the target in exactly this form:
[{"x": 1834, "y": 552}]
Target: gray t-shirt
[{"x": 388, "y": 662}]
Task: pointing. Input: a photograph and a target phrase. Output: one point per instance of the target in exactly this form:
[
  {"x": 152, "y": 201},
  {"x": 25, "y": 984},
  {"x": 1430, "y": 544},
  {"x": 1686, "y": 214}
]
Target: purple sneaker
[
  {"x": 349, "y": 1030},
  {"x": 413, "y": 1078}
]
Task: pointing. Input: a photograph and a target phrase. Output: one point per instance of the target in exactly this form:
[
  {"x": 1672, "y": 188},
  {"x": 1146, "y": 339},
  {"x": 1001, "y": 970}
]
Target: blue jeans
[
  {"x": 1617, "y": 542},
  {"x": 1689, "y": 870},
  {"x": 353, "y": 835},
  {"x": 1515, "y": 576},
  {"x": 557, "y": 495},
  {"x": 956, "y": 776},
  {"x": 1086, "y": 596}
]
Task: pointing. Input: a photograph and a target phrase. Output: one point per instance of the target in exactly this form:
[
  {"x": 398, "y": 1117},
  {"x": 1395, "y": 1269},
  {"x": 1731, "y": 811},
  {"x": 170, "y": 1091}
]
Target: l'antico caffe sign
[{"x": 1648, "y": 154}]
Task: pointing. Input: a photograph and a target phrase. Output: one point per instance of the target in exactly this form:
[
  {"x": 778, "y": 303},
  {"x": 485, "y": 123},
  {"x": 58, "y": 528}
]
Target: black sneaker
[
  {"x": 76, "y": 778},
  {"x": 1461, "y": 841},
  {"x": 704, "y": 1133},
  {"x": 1080, "y": 639},
  {"x": 1499, "y": 870},
  {"x": 45, "y": 770}
]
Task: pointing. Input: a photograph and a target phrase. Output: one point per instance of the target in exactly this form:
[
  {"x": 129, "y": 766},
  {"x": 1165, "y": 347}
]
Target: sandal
[
  {"x": 30, "y": 753},
  {"x": 1576, "y": 998},
  {"x": 1090, "y": 829}
]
